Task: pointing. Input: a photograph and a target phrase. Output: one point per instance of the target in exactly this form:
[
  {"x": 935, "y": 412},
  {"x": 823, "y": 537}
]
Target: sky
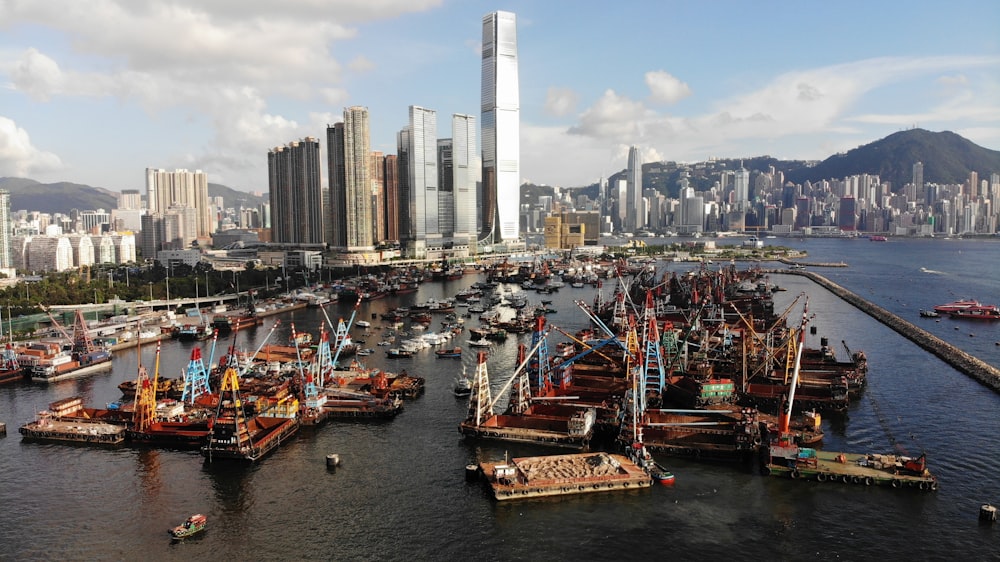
[{"x": 95, "y": 92}]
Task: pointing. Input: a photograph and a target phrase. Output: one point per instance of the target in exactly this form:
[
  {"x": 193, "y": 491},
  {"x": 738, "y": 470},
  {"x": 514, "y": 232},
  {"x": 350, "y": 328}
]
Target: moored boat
[{"x": 453, "y": 353}]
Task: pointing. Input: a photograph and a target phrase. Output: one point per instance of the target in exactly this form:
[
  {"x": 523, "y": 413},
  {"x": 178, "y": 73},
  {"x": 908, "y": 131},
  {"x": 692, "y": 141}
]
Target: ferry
[{"x": 969, "y": 308}]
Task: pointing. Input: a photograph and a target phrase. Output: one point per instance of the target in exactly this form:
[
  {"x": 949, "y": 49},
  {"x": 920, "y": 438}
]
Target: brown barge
[{"x": 562, "y": 475}]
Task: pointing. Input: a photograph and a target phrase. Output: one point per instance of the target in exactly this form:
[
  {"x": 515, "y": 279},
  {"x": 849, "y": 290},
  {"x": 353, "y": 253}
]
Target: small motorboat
[
  {"x": 463, "y": 386},
  {"x": 482, "y": 342},
  {"x": 929, "y": 314},
  {"x": 661, "y": 475},
  {"x": 193, "y": 525}
]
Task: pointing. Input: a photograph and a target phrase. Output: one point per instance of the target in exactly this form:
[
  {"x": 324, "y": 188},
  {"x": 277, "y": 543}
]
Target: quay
[
  {"x": 972, "y": 366},
  {"x": 562, "y": 475}
]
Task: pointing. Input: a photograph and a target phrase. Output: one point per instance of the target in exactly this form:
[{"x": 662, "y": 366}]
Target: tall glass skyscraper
[
  {"x": 463, "y": 136},
  {"x": 501, "y": 129},
  {"x": 419, "y": 205},
  {"x": 634, "y": 216}
]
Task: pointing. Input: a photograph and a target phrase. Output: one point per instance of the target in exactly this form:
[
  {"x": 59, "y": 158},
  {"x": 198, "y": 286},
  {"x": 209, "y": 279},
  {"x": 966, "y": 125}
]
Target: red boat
[
  {"x": 969, "y": 308},
  {"x": 957, "y": 305}
]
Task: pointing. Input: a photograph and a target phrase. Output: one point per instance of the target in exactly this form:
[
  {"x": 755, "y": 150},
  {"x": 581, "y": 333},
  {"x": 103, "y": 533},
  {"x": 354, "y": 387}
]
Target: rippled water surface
[{"x": 401, "y": 492}]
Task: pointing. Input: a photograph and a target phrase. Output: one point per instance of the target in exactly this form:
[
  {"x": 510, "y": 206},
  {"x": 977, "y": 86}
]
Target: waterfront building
[
  {"x": 296, "y": 192},
  {"x": 419, "y": 197},
  {"x": 500, "y": 129},
  {"x": 180, "y": 188},
  {"x": 349, "y": 169}
]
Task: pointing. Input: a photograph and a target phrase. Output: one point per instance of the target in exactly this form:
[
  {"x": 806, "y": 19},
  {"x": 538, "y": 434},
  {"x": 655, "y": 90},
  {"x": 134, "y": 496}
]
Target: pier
[{"x": 972, "y": 366}]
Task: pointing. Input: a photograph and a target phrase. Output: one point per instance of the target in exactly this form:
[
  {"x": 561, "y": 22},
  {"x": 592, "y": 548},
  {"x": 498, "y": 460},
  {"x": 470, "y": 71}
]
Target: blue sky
[{"x": 95, "y": 92}]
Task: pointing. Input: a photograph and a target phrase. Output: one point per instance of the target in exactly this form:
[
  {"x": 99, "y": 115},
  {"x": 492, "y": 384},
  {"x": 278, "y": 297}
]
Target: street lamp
[{"x": 150, "y": 291}]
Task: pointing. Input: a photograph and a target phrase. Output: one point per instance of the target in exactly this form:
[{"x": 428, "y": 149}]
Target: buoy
[
  {"x": 987, "y": 513},
  {"x": 471, "y": 472},
  {"x": 332, "y": 460}
]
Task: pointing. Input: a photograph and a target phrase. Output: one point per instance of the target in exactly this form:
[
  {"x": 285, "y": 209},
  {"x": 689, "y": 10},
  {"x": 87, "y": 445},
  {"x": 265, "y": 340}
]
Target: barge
[
  {"x": 562, "y": 475},
  {"x": 849, "y": 468},
  {"x": 47, "y": 428}
]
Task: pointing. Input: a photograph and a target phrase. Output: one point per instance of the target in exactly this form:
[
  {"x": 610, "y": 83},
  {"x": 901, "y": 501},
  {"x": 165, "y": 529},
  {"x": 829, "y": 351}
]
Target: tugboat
[
  {"x": 463, "y": 385},
  {"x": 191, "y": 526}
]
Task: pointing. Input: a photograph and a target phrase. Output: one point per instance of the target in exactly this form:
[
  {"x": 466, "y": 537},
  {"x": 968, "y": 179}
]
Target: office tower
[
  {"x": 918, "y": 181},
  {"x": 465, "y": 174},
  {"x": 741, "y": 188},
  {"x": 501, "y": 148},
  {"x": 446, "y": 188},
  {"x": 391, "y": 174},
  {"x": 634, "y": 220},
  {"x": 296, "y": 192},
  {"x": 180, "y": 188},
  {"x": 349, "y": 148},
  {"x": 419, "y": 197}
]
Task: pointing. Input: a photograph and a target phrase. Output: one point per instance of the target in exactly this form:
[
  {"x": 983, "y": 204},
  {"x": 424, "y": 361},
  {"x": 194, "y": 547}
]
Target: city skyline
[{"x": 176, "y": 86}]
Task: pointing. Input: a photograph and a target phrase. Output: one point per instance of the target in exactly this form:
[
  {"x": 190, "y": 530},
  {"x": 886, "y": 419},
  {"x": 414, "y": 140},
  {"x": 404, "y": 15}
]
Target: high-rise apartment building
[
  {"x": 634, "y": 219},
  {"x": 296, "y": 193},
  {"x": 376, "y": 172},
  {"x": 180, "y": 188},
  {"x": 349, "y": 159},
  {"x": 501, "y": 129},
  {"x": 130, "y": 199}
]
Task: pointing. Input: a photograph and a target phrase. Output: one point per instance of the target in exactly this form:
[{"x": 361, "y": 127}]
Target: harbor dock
[
  {"x": 972, "y": 366},
  {"x": 561, "y": 475}
]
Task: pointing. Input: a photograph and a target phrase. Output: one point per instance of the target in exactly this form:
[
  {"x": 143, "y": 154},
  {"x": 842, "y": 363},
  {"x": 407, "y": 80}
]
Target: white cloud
[
  {"x": 18, "y": 158},
  {"x": 665, "y": 88},
  {"x": 560, "y": 101},
  {"x": 361, "y": 64},
  {"x": 614, "y": 117}
]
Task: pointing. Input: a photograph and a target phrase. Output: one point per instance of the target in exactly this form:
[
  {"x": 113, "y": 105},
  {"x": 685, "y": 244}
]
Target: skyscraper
[
  {"x": 465, "y": 176},
  {"x": 296, "y": 192},
  {"x": 349, "y": 146},
  {"x": 634, "y": 219},
  {"x": 500, "y": 114},
  {"x": 391, "y": 175},
  {"x": 5, "y": 231},
  {"x": 419, "y": 197},
  {"x": 177, "y": 189}
]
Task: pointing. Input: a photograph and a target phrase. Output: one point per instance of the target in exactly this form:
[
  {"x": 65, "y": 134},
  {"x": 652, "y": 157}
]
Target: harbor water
[{"x": 400, "y": 490}]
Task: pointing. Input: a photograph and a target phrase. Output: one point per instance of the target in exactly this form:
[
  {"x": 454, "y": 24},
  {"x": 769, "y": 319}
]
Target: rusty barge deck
[{"x": 852, "y": 468}]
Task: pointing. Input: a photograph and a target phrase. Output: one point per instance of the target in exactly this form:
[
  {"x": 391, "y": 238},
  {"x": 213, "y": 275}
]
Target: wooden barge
[{"x": 562, "y": 475}]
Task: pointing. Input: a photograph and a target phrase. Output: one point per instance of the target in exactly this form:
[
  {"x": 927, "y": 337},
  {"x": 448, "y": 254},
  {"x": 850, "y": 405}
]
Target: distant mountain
[
  {"x": 62, "y": 197},
  {"x": 235, "y": 198},
  {"x": 947, "y": 158}
]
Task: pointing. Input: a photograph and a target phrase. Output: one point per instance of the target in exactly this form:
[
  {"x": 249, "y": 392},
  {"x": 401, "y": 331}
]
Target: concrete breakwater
[{"x": 972, "y": 366}]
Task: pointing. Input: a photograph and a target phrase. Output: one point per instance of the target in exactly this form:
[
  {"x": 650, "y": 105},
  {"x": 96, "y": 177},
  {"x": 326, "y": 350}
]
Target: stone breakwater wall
[{"x": 972, "y": 366}]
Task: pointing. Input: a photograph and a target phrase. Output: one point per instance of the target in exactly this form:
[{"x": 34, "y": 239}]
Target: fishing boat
[
  {"x": 453, "y": 353},
  {"x": 398, "y": 353},
  {"x": 929, "y": 314},
  {"x": 191, "y": 526},
  {"x": 982, "y": 312}
]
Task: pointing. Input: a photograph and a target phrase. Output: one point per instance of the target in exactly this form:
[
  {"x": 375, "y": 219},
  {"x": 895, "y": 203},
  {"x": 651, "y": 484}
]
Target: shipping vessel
[{"x": 82, "y": 358}]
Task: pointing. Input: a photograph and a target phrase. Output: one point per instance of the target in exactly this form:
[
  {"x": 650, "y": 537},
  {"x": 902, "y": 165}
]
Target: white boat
[
  {"x": 481, "y": 342},
  {"x": 363, "y": 324}
]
